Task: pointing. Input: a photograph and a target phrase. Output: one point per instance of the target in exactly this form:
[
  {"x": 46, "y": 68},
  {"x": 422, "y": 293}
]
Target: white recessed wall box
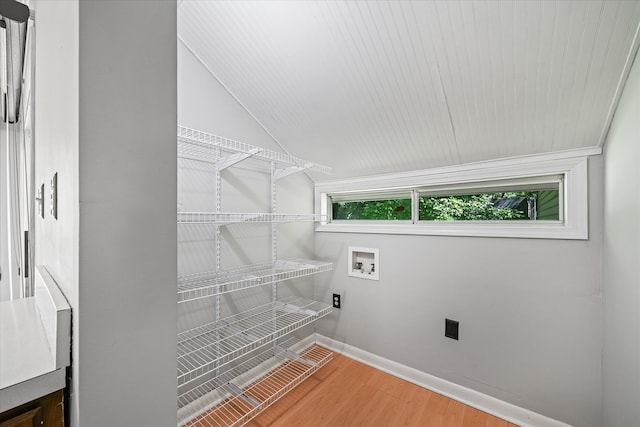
[{"x": 363, "y": 263}]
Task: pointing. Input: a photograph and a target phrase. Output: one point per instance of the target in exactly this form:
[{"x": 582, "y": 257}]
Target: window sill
[{"x": 546, "y": 230}]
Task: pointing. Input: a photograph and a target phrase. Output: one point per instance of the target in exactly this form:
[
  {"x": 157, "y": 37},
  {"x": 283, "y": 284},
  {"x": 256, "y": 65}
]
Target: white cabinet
[{"x": 223, "y": 361}]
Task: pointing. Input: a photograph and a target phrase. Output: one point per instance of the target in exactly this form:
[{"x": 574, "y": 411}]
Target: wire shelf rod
[
  {"x": 233, "y": 374},
  {"x": 201, "y": 146},
  {"x": 265, "y": 378},
  {"x": 203, "y": 285},
  {"x": 208, "y": 347},
  {"x": 221, "y": 218},
  {"x": 239, "y": 333}
]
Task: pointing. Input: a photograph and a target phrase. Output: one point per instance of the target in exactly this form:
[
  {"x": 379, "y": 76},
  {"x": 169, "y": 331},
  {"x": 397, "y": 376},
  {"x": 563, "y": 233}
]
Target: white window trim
[{"x": 571, "y": 164}]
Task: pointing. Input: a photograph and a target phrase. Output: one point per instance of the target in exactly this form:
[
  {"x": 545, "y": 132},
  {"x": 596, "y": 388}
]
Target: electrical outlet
[
  {"x": 451, "y": 328},
  {"x": 336, "y": 300}
]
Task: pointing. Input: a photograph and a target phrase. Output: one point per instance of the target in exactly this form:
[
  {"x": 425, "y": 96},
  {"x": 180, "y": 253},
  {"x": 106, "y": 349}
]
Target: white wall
[
  {"x": 105, "y": 121},
  {"x": 621, "y": 356},
  {"x": 529, "y": 311},
  {"x": 204, "y": 104},
  {"x": 57, "y": 142}
]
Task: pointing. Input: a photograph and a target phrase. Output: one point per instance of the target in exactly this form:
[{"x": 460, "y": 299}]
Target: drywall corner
[{"x": 621, "y": 252}]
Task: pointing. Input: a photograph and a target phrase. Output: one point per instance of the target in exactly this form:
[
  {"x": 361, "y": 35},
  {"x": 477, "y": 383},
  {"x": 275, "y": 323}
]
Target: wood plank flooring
[{"x": 349, "y": 393}]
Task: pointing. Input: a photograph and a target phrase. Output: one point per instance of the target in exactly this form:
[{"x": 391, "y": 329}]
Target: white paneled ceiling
[{"x": 373, "y": 87}]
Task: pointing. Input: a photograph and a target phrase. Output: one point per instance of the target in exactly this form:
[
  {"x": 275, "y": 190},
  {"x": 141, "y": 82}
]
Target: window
[
  {"x": 534, "y": 199},
  {"x": 538, "y": 197},
  {"x": 486, "y": 206},
  {"x": 381, "y": 206},
  {"x": 525, "y": 200}
]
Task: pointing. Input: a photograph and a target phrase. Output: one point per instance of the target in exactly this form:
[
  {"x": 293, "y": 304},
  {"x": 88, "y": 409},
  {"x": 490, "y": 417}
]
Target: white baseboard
[{"x": 506, "y": 411}]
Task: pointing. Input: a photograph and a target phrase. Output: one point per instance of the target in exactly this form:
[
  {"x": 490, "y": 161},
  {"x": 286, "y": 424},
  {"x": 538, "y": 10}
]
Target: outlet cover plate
[
  {"x": 451, "y": 328},
  {"x": 337, "y": 299}
]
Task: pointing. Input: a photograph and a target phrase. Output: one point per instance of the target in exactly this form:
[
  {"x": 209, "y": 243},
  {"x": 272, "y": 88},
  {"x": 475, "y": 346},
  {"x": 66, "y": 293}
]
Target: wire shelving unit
[
  {"x": 221, "y": 380},
  {"x": 223, "y": 218},
  {"x": 225, "y": 152},
  {"x": 203, "y": 285},
  {"x": 240, "y": 393}
]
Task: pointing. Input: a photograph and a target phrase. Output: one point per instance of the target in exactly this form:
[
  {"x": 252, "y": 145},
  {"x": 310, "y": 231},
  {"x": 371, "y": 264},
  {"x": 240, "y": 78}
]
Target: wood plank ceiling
[{"x": 372, "y": 87}]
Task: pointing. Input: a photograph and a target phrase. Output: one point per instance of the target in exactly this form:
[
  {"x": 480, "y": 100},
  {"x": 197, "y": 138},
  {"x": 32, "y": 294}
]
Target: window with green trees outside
[
  {"x": 517, "y": 203},
  {"x": 392, "y": 209},
  {"x": 520, "y": 205}
]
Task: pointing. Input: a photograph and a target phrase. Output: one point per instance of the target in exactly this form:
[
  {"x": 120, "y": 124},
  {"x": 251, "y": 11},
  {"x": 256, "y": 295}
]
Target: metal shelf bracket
[
  {"x": 232, "y": 159},
  {"x": 283, "y": 173}
]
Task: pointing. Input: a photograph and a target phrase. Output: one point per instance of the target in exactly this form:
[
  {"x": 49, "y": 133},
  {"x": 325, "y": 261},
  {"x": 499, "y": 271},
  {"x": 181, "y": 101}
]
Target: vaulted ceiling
[{"x": 370, "y": 87}]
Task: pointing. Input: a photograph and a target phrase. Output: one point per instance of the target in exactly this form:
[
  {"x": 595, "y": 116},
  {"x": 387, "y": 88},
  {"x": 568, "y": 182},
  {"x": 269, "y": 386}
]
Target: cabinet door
[
  {"x": 47, "y": 411},
  {"x": 30, "y": 418}
]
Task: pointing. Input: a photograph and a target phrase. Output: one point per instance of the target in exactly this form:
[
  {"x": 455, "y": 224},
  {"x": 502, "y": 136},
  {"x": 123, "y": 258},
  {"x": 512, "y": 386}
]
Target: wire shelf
[
  {"x": 262, "y": 380},
  {"x": 203, "y": 285},
  {"x": 206, "y": 147},
  {"x": 232, "y": 218},
  {"x": 209, "y": 347}
]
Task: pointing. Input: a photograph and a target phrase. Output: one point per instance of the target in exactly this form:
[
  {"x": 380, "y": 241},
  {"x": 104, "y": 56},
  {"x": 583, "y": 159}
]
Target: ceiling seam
[
  {"x": 446, "y": 102},
  {"x": 631, "y": 57},
  {"x": 442, "y": 86},
  {"x": 244, "y": 107},
  {"x": 439, "y": 88}
]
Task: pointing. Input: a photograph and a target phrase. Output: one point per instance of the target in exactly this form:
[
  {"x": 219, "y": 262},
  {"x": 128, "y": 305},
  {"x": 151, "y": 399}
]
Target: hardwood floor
[{"x": 349, "y": 393}]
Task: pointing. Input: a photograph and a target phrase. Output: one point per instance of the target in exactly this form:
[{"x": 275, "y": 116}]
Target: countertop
[
  {"x": 24, "y": 348},
  {"x": 34, "y": 344}
]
